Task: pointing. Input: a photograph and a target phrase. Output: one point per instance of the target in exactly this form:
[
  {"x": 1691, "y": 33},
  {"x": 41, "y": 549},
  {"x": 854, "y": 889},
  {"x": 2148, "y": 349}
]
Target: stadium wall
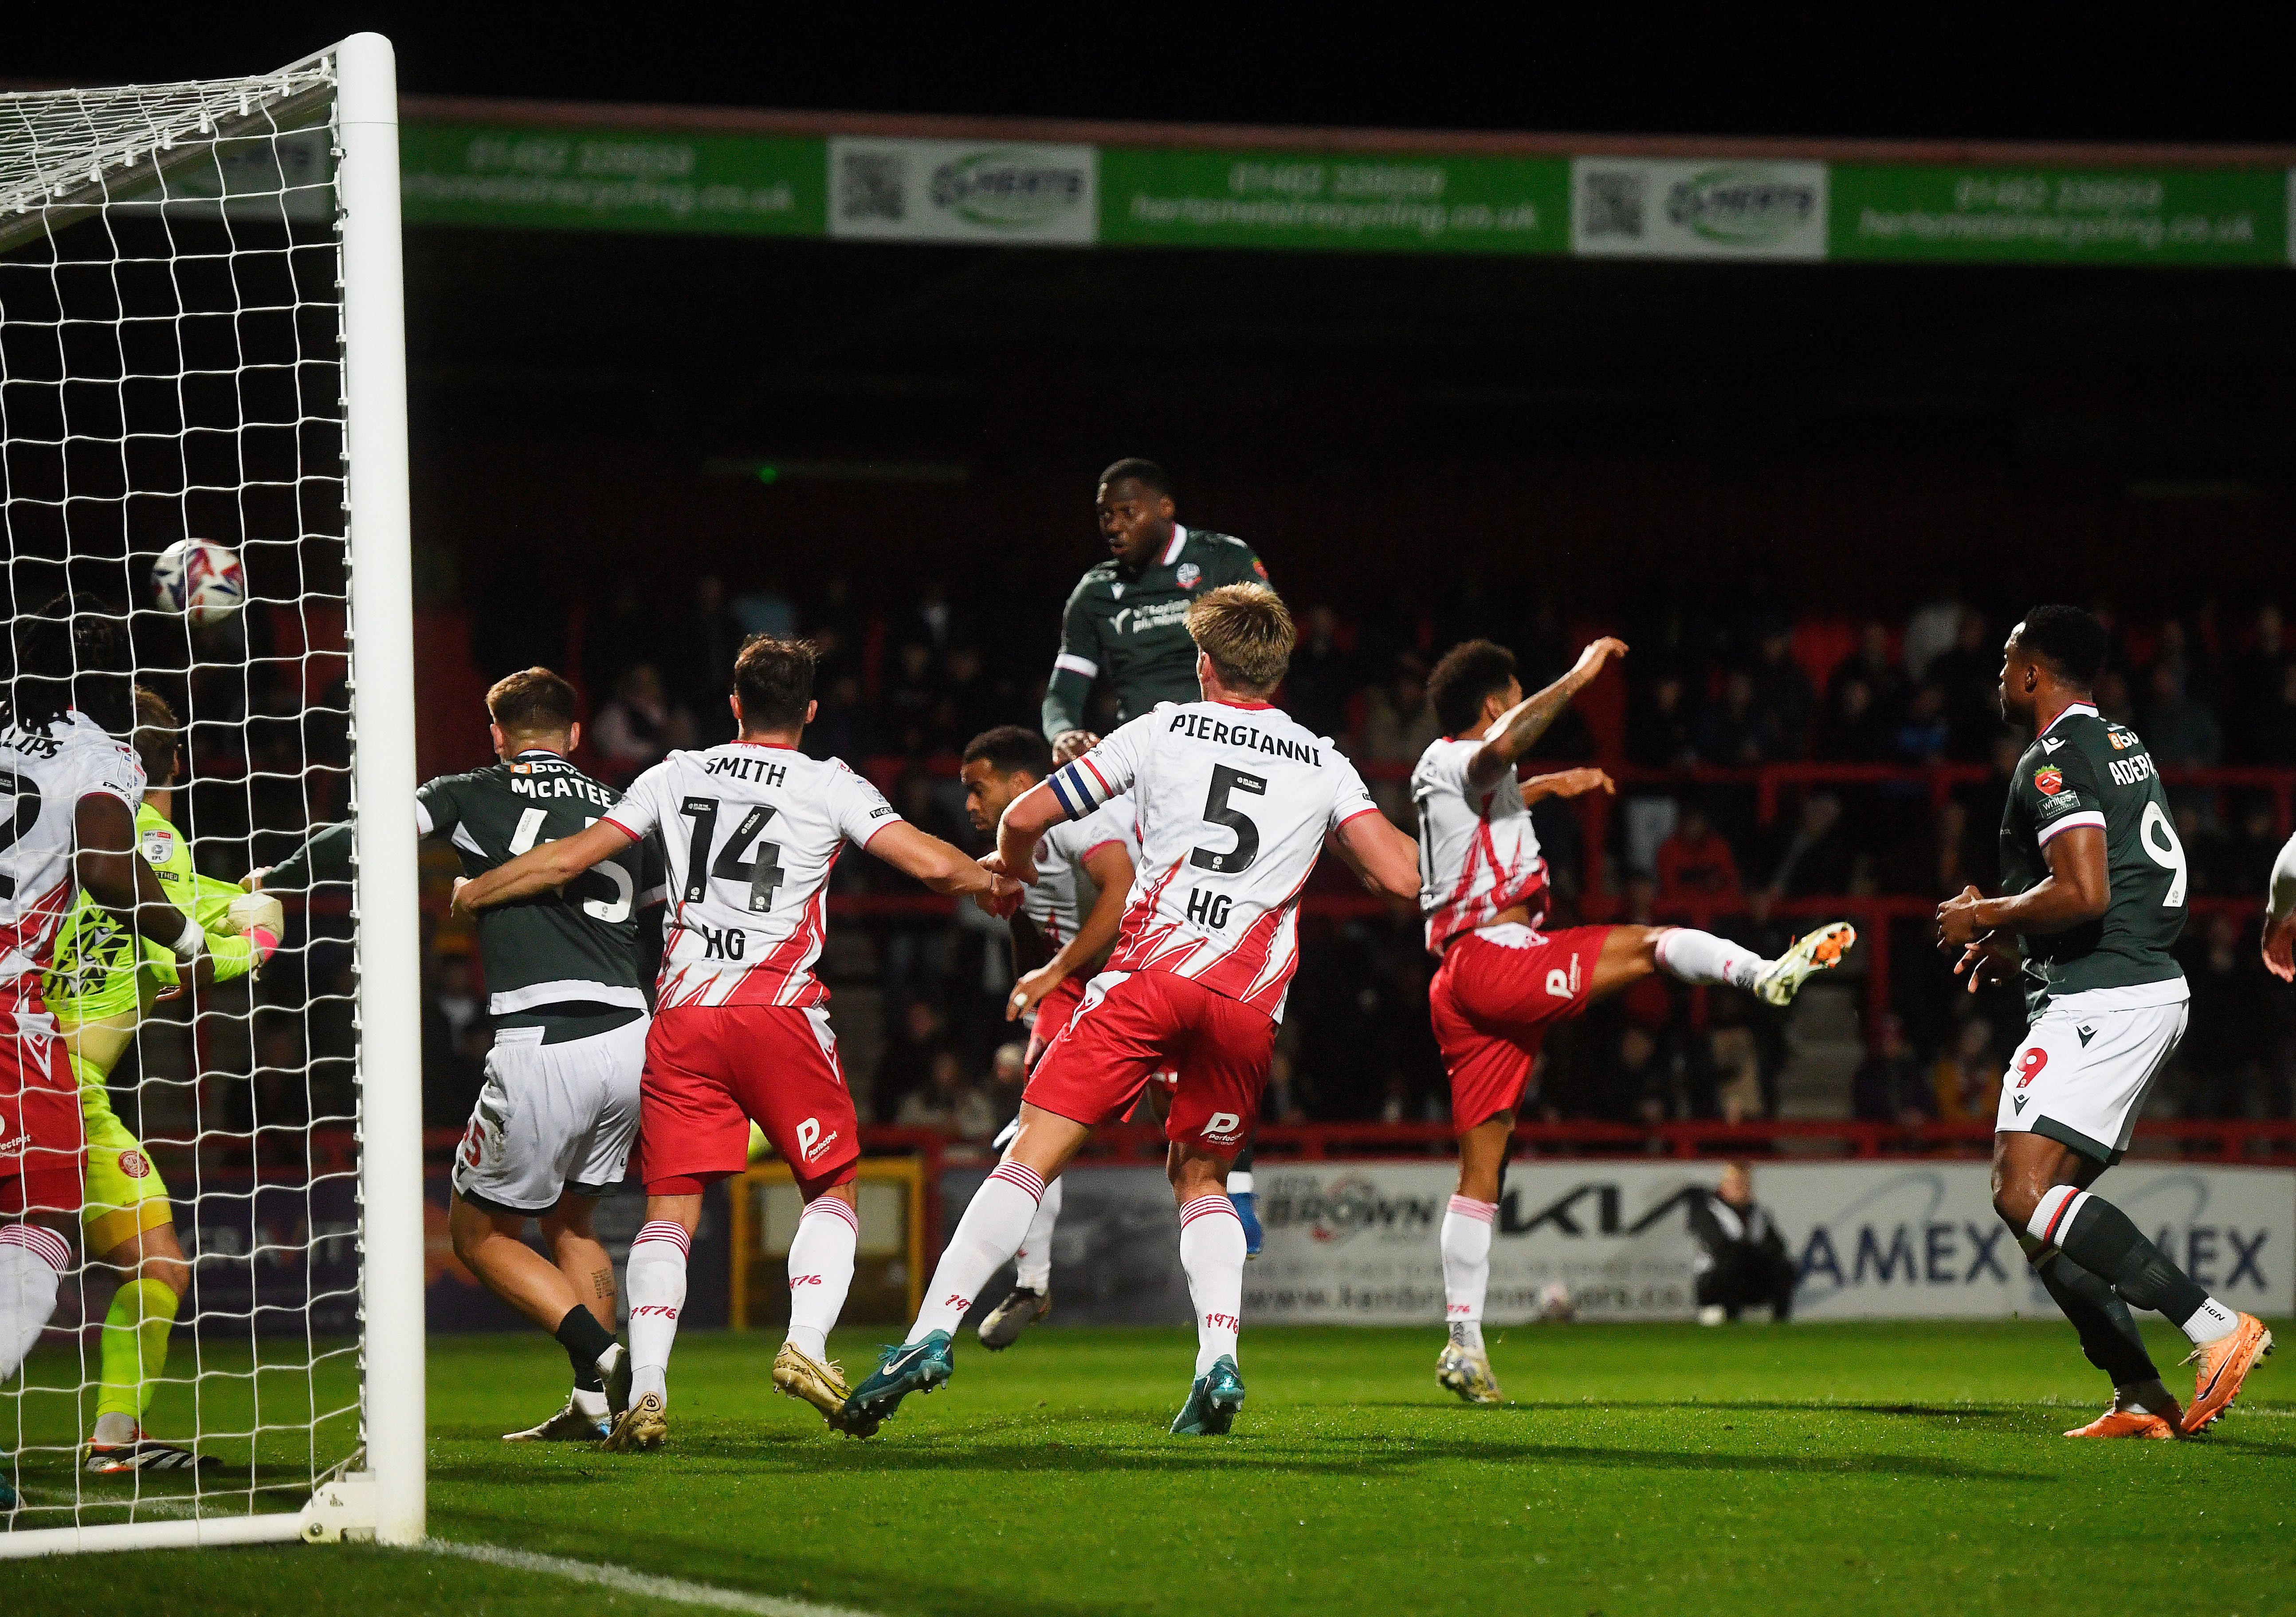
[{"x": 1355, "y": 1242}]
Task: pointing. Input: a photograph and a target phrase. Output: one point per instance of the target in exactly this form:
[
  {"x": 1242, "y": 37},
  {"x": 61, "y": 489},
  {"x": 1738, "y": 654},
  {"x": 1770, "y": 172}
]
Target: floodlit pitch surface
[{"x": 1640, "y": 1468}]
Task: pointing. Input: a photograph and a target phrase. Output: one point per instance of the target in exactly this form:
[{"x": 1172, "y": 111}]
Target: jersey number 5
[
  {"x": 613, "y": 911},
  {"x": 763, "y": 873},
  {"x": 1218, "y": 812}
]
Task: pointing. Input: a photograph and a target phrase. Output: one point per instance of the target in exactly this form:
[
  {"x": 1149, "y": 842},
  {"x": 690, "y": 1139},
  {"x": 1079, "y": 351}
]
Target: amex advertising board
[{"x": 1355, "y": 1241}]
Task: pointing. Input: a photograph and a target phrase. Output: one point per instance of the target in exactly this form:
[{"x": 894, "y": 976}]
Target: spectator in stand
[
  {"x": 2258, "y": 674},
  {"x": 1741, "y": 1260},
  {"x": 767, "y": 610},
  {"x": 1008, "y": 1075},
  {"x": 969, "y": 701},
  {"x": 844, "y": 727},
  {"x": 1729, "y": 730},
  {"x": 1660, "y": 731},
  {"x": 1931, "y": 631},
  {"x": 947, "y": 1103},
  {"x": 2227, "y": 1031},
  {"x": 906, "y": 1066},
  {"x": 1968, "y": 1077},
  {"x": 706, "y": 644},
  {"x": 1855, "y": 730},
  {"x": 1784, "y": 703},
  {"x": 642, "y": 724},
  {"x": 1968, "y": 672},
  {"x": 1695, "y": 866},
  {"x": 1400, "y": 723},
  {"x": 1890, "y": 1085},
  {"x": 2178, "y": 731},
  {"x": 1871, "y": 662},
  {"x": 1817, "y": 856},
  {"x": 2275, "y": 722},
  {"x": 1323, "y": 679},
  {"x": 911, "y": 696},
  {"x": 2112, "y": 700},
  {"x": 1923, "y": 733}
]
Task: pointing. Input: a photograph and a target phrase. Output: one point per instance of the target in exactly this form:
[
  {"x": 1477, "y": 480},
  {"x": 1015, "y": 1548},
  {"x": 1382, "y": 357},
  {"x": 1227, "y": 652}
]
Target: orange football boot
[
  {"x": 2223, "y": 1365},
  {"x": 2117, "y": 1422}
]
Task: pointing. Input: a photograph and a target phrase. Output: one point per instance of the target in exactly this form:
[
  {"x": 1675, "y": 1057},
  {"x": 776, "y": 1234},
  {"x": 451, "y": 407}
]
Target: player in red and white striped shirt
[
  {"x": 750, "y": 831},
  {"x": 1234, "y": 802},
  {"x": 1503, "y": 982}
]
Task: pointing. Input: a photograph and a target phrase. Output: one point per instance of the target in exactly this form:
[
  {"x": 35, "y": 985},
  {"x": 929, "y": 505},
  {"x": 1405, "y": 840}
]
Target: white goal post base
[{"x": 345, "y": 1510}]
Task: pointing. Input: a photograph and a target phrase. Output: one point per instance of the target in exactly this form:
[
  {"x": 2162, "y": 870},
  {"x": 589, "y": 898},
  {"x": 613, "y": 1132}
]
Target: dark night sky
[{"x": 2196, "y": 74}]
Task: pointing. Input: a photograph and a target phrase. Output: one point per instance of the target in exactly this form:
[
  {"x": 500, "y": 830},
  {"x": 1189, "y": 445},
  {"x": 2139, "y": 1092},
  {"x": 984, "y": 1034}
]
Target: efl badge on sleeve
[{"x": 2050, "y": 779}]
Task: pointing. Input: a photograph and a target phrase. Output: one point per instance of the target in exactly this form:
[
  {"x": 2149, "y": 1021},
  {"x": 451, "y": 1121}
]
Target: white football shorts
[
  {"x": 2087, "y": 1063},
  {"x": 552, "y": 1118}
]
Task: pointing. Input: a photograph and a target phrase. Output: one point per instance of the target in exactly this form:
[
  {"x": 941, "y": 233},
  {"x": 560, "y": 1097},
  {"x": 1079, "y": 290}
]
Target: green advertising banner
[
  {"x": 1172, "y": 197},
  {"x": 612, "y": 179},
  {"x": 2060, "y": 216}
]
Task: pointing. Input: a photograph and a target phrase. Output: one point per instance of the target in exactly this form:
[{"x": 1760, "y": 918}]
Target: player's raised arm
[
  {"x": 1519, "y": 729},
  {"x": 542, "y": 869},
  {"x": 1111, "y": 869},
  {"x": 1026, "y": 819},
  {"x": 943, "y": 867}
]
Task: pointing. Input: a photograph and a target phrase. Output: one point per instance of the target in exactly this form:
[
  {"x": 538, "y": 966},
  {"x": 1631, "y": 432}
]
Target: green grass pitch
[{"x": 1640, "y": 1469}]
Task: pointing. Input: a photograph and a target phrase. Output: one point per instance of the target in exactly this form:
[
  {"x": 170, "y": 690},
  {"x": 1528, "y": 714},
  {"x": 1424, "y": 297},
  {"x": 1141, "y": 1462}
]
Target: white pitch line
[{"x": 627, "y": 1581}]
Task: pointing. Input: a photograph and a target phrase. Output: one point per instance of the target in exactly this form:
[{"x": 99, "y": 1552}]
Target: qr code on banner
[
  {"x": 1612, "y": 204},
  {"x": 872, "y": 185}
]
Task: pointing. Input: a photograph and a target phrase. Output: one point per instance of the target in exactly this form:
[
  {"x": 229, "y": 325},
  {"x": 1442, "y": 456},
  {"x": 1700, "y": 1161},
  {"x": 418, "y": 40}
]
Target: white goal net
[{"x": 202, "y": 422}]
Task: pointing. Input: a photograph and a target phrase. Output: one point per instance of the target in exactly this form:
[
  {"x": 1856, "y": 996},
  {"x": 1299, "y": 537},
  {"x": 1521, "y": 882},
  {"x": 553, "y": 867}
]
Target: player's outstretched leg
[
  {"x": 1690, "y": 955},
  {"x": 657, "y": 1284},
  {"x": 820, "y": 1275},
  {"x": 991, "y": 1231},
  {"x": 2098, "y": 1236},
  {"x": 1031, "y": 1296}
]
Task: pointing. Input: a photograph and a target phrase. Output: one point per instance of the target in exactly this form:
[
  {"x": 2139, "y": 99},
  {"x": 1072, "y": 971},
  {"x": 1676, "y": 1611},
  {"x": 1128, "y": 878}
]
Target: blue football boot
[
  {"x": 905, "y": 1367},
  {"x": 1212, "y": 1402},
  {"x": 1247, "y": 1213}
]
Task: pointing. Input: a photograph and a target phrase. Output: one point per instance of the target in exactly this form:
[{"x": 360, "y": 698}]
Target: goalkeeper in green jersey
[{"x": 100, "y": 980}]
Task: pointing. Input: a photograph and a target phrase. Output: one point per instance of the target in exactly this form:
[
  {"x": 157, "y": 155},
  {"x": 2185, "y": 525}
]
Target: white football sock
[
  {"x": 32, "y": 1257},
  {"x": 592, "y": 1404},
  {"x": 990, "y": 1232},
  {"x": 1687, "y": 954},
  {"x": 1467, "y": 1243},
  {"x": 657, "y": 1288},
  {"x": 820, "y": 1271},
  {"x": 1033, "y": 1263},
  {"x": 1212, "y": 1251},
  {"x": 2212, "y": 1321}
]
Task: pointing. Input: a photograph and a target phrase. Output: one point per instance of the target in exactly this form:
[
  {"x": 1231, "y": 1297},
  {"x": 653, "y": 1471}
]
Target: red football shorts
[
  {"x": 1134, "y": 1025},
  {"x": 43, "y": 1148},
  {"x": 1493, "y": 999},
  {"x": 710, "y": 1069},
  {"x": 1054, "y": 1012}
]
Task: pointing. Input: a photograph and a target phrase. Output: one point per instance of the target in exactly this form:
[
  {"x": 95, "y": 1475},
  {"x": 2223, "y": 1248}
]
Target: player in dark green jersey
[
  {"x": 1126, "y": 626},
  {"x": 2094, "y": 898},
  {"x": 556, "y": 1115}
]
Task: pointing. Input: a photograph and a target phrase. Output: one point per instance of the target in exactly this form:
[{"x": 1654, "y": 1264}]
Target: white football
[
  {"x": 201, "y": 580},
  {"x": 1555, "y": 1302}
]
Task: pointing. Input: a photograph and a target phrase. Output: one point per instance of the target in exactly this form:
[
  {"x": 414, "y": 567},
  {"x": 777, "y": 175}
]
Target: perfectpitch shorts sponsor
[
  {"x": 42, "y": 1145},
  {"x": 552, "y": 1118},
  {"x": 2088, "y": 1061},
  {"x": 1492, "y": 1001},
  {"x": 710, "y": 1069},
  {"x": 1134, "y": 1027}
]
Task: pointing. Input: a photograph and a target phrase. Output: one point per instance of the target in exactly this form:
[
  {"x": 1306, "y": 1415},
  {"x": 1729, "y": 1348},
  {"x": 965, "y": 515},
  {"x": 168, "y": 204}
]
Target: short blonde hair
[{"x": 1246, "y": 630}]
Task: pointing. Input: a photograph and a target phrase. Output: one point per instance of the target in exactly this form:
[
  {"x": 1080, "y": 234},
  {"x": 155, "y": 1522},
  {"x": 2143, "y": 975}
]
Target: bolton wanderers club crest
[{"x": 1188, "y": 572}]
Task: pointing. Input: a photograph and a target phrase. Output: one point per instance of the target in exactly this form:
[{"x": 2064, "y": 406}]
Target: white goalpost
[{"x": 202, "y": 343}]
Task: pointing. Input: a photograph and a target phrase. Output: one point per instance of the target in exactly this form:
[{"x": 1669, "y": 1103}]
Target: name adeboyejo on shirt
[{"x": 1203, "y": 726}]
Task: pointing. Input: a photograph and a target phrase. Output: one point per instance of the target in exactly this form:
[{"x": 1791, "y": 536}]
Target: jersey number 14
[{"x": 763, "y": 873}]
